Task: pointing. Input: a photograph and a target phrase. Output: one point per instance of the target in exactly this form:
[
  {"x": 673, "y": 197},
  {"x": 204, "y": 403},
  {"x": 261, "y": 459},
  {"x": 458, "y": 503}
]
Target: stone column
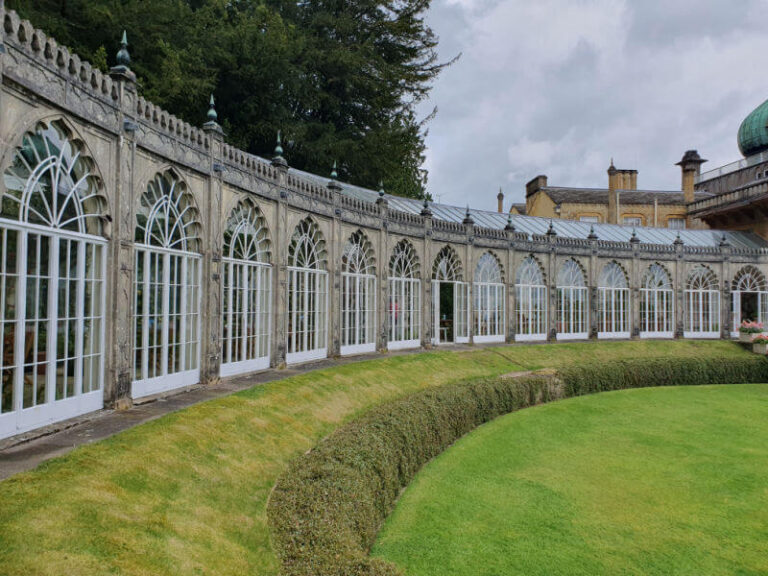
[
  {"x": 282, "y": 236},
  {"x": 595, "y": 268},
  {"x": 427, "y": 321},
  {"x": 469, "y": 229},
  {"x": 383, "y": 275},
  {"x": 335, "y": 250},
  {"x": 212, "y": 253},
  {"x": 552, "y": 278},
  {"x": 510, "y": 281},
  {"x": 726, "y": 300},
  {"x": 636, "y": 276},
  {"x": 121, "y": 274},
  {"x": 679, "y": 284}
]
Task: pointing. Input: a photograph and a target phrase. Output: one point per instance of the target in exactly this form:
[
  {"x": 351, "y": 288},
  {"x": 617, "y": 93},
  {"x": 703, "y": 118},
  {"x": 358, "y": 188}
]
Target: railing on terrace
[
  {"x": 732, "y": 167},
  {"x": 740, "y": 194}
]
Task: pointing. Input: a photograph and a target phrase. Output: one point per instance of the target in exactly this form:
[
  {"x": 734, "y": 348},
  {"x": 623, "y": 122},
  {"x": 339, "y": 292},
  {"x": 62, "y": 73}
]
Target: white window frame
[
  {"x": 307, "y": 296},
  {"x": 613, "y": 302},
  {"x": 657, "y": 304},
  {"x": 246, "y": 302},
  {"x": 530, "y": 302},
  {"x": 572, "y": 302},
  {"x": 62, "y": 224},
  {"x": 701, "y": 304},
  {"x": 749, "y": 280},
  {"x": 167, "y": 234},
  {"x": 489, "y": 310},
  {"x": 404, "y": 330},
  {"x": 358, "y": 297}
]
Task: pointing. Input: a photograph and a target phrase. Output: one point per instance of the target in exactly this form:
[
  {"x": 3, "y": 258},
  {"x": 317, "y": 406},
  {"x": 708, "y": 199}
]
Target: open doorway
[
  {"x": 750, "y": 307},
  {"x": 446, "y": 312}
]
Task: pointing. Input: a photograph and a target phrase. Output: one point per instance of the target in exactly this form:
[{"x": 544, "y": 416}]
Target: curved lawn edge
[{"x": 326, "y": 509}]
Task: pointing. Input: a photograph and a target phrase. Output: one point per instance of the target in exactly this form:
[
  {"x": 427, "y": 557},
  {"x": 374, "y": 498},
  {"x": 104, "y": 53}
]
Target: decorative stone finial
[
  {"x": 634, "y": 239},
  {"x": 212, "y": 114},
  {"x": 509, "y": 227},
  {"x": 425, "y": 211},
  {"x": 724, "y": 241},
  {"x": 123, "y": 57},
  {"x": 334, "y": 174},
  {"x": 381, "y": 189},
  {"x": 678, "y": 241},
  {"x": 277, "y": 159},
  {"x": 332, "y": 183},
  {"x": 592, "y": 235},
  {"x": 551, "y": 230},
  {"x": 468, "y": 218}
]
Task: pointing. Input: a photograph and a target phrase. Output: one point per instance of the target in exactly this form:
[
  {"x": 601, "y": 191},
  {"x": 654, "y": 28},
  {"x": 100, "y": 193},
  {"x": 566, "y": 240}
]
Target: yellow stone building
[{"x": 620, "y": 203}]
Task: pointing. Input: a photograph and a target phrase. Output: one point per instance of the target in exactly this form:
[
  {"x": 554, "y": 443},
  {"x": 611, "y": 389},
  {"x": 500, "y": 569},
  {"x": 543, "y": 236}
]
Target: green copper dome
[{"x": 753, "y": 132}]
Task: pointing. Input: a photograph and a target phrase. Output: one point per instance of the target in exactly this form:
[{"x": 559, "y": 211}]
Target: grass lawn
[
  {"x": 186, "y": 494},
  {"x": 648, "y": 482}
]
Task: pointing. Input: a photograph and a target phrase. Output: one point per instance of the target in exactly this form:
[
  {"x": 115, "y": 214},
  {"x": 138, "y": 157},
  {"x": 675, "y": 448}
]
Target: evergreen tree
[{"x": 340, "y": 78}]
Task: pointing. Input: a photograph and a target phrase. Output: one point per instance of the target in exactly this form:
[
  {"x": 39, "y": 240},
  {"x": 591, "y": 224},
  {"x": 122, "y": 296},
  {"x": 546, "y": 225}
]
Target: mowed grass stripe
[
  {"x": 650, "y": 481},
  {"x": 186, "y": 494}
]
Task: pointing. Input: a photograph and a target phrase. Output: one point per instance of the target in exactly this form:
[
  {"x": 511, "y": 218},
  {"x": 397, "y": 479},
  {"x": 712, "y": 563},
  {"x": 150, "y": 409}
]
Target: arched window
[
  {"x": 572, "y": 306},
  {"x": 750, "y": 297},
  {"x": 530, "y": 301},
  {"x": 246, "y": 292},
  {"x": 613, "y": 302},
  {"x": 489, "y": 300},
  {"x": 656, "y": 304},
  {"x": 358, "y": 296},
  {"x": 702, "y": 304},
  {"x": 450, "y": 298},
  {"x": 167, "y": 288},
  {"x": 52, "y": 282},
  {"x": 307, "y": 294},
  {"x": 404, "y": 298}
]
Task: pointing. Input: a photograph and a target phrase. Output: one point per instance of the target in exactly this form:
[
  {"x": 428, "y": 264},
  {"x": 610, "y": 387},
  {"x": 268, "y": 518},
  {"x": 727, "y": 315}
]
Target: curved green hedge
[{"x": 326, "y": 509}]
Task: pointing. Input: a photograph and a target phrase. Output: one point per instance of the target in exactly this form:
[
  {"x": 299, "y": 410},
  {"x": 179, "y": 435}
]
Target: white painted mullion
[
  {"x": 181, "y": 338},
  {"x": 246, "y": 292},
  {"x": 102, "y": 314},
  {"x": 21, "y": 311},
  {"x": 79, "y": 335},
  {"x": 145, "y": 319},
  {"x": 53, "y": 314},
  {"x": 164, "y": 307}
]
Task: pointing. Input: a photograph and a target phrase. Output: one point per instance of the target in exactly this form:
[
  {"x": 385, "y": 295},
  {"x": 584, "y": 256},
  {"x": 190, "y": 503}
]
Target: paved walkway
[{"x": 26, "y": 452}]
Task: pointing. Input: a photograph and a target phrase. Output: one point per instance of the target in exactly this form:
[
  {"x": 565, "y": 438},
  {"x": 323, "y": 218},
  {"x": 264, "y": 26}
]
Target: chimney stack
[
  {"x": 690, "y": 166},
  {"x": 614, "y": 178},
  {"x": 500, "y": 199}
]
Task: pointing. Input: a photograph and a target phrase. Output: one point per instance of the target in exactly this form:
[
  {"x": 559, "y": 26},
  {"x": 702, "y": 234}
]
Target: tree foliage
[{"x": 340, "y": 78}]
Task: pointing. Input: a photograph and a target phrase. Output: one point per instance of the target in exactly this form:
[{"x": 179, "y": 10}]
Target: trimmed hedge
[{"x": 327, "y": 508}]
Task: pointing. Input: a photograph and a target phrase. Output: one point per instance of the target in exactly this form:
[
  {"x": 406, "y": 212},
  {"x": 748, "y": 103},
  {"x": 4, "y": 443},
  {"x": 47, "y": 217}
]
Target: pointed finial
[
  {"x": 425, "y": 211},
  {"x": 123, "y": 57},
  {"x": 278, "y": 146},
  {"x": 634, "y": 239},
  {"x": 212, "y": 115},
  {"x": 678, "y": 240},
  {"x": 468, "y": 217},
  {"x": 509, "y": 227},
  {"x": 381, "y": 189},
  {"x": 592, "y": 235},
  {"x": 334, "y": 174},
  {"x": 551, "y": 231},
  {"x": 724, "y": 241}
]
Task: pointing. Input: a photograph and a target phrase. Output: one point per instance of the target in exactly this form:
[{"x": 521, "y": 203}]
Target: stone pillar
[
  {"x": 552, "y": 278},
  {"x": 335, "y": 250},
  {"x": 469, "y": 229},
  {"x": 679, "y": 284},
  {"x": 427, "y": 321},
  {"x": 726, "y": 300},
  {"x": 282, "y": 238},
  {"x": 635, "y": 278},
  {"x": 383, "y": 275},
  {"x": 121, "y": 274},
  {"x": 593, "y": 281},
  {"x": 510, "y": 282}
]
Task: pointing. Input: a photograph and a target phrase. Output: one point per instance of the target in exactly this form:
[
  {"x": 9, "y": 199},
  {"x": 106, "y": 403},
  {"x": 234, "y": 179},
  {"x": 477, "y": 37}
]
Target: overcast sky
[{"x": 558, "y": 87}]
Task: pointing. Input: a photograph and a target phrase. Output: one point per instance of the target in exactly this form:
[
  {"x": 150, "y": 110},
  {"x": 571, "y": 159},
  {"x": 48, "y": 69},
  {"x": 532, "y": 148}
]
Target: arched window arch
[
  {"x": 749, "y": 297},
  {"x": 52, "y": 276},
  {"x": 404, "y": 298},
  {"x": 656, "y": 303},
  {"x": 447, "y": 266},
  {"x": 530, "y": 301},
  {"x": 246, "y": 291},
  {"x": 702, "y": 304},
  {"x": 307, "y": 332},
  {"x": 489, "y": 305},
  {"x": 358, "y": 295},
  {"x": 572, "y": 302},
  {"x": 613, "y": 302},
  {"x": 450, "y": 298},
  {"x": 166, "y": 288}
]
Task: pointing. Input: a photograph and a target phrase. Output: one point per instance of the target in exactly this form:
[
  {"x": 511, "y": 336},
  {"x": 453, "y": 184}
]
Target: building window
[
  {"x": 590, "y": 219},
  {"x": 612, "y": 303},
  {"x": 676, "y": 223},
  {"x": 358, "y": 296},
  {"x": 750, "y": 297},
  {"x": 307, "y": 294},
  {"x": 404, "y": 298},
  {"x": 530, "y": 301},
  {"x": 52, "y": 283},
  {"x": 246, "y": 292},
  {"x": 702, "y": 304},
  {"x": 450, "y": 299},
  {"x": 166, "y": 289},
  {"x": 656, "y": 304},
  {"x": 489, "y": 300},
  {"x": 572, "y": 306},
  {"x": 633, "y": 221}
]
